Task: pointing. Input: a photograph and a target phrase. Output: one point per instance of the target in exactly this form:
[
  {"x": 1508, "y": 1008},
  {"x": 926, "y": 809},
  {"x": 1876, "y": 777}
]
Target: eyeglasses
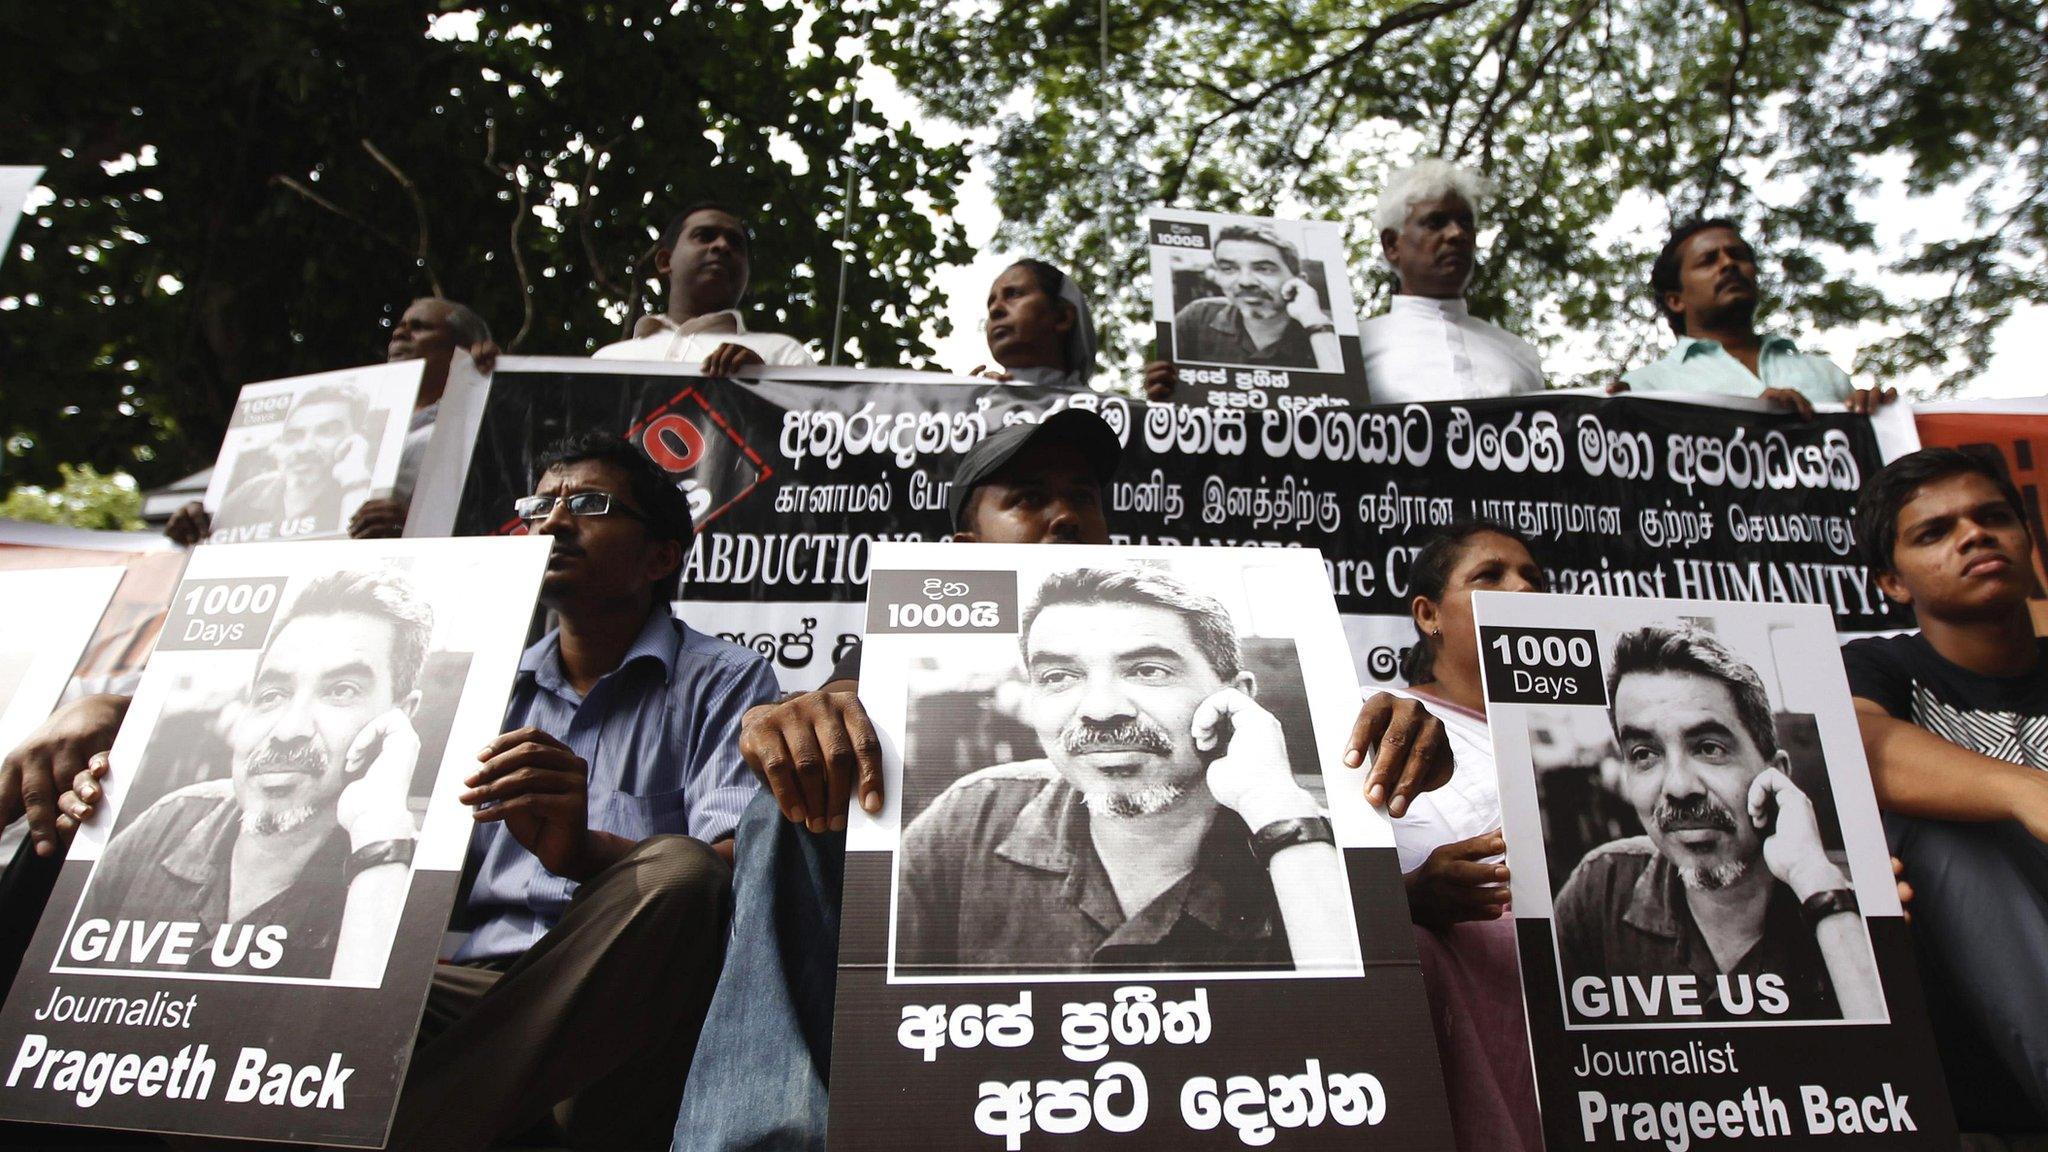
[{"x": 534, "y": 509}]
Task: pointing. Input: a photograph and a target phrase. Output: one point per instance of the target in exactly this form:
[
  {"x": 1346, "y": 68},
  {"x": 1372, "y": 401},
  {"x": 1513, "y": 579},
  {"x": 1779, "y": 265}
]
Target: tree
[
  {"x": 254, "y": 189},
  {"x": 85, "y": 499},
  {"x": 1600, "y": 122}
]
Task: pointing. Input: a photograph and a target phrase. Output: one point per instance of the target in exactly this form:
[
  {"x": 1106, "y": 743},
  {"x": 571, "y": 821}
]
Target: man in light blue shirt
[
  {"x": 1705, "y": 285},
  {"x": 602, "y": 852}
]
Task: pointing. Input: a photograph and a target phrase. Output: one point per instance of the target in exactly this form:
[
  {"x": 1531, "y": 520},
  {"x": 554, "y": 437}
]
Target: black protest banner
[{"x": 793, "y": 481}]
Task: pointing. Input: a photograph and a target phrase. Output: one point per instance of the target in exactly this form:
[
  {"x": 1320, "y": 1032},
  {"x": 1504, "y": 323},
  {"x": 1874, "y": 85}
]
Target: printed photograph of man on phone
[
  {"x": 1730, "y": 889},
  {"x": 296, "y": 864},
  {"x": 1165, "y": 827},
  {"x": 1267, "y": 315}
]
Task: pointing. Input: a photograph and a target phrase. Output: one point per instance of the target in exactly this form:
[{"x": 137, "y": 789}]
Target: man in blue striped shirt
[{"x": 605, "y": 815}]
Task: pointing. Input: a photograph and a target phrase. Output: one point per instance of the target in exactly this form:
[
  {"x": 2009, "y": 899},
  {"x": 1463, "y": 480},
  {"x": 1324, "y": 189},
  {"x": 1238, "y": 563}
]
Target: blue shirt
[
  {"x": 661, "y": 735},
  {"x": 1705, "y": 366}
]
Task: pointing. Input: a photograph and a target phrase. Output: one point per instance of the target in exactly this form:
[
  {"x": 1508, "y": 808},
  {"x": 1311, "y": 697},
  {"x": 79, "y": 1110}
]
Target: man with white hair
[{"x": 1428, "y": 345}]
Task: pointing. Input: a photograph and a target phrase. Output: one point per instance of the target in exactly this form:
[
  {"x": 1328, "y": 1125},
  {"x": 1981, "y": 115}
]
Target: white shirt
[
  {"x": 1425, "y": 349},
  {"x": 1467, "y": 806},
  {"x": 700, "y": 336}
]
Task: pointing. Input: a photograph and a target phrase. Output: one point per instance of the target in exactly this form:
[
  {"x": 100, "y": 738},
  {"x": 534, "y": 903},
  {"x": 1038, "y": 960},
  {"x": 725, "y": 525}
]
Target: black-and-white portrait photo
[
  {"x": 1130, "y": 783},
  {"x": 272, "y": 787},
  {"x": 1251, "y": 292},
  {"x": 300, "y": 456},
  {"x": 1693, "y": 844}
]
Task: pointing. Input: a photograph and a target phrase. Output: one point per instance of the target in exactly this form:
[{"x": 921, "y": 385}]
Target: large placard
[
  {"x": 240, "y": 941},
  {"x": 1702, "y": 894},
  {"x": 796, "y": 476},
  {"x": 1254, "y": 312},
  {"x": 301, "y": 455},
  {"x": 1124, "y": 890}
]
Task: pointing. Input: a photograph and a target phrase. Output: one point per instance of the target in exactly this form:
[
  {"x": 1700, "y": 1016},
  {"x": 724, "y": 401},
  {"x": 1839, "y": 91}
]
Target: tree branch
[
  {"x": 419, "y": 212},
  {"x": 508, "y": 172},
  {"x": 1407, "y": 17},
  {"x": 1744, "y": 33},
  {"x": 318, "y": 200}
]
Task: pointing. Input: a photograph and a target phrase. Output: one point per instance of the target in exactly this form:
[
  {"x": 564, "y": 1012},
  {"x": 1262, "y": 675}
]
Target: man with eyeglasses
[{"x": 604, "y": 822}]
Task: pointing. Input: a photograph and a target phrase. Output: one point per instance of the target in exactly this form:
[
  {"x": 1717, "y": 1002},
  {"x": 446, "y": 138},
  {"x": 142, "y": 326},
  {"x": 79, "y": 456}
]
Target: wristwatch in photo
[
  {"x": 376, "y": 855},
  {"x": 1268, "y": 841}
]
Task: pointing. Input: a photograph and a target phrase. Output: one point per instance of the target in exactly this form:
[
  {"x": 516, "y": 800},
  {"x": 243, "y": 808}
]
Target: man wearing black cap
[{"x": 758, "y": 1079}]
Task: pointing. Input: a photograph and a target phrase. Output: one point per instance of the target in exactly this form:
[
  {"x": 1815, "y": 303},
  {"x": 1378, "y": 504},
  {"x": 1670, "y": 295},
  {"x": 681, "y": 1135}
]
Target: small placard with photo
[
  {"x": 1254, "y": 312},
  {"x": 302, "y": 454}
]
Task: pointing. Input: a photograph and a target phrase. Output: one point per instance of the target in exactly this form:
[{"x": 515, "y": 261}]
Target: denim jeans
[
  {"x": 1980, "y": 923},
  {"x": 758, "y": 1080}
]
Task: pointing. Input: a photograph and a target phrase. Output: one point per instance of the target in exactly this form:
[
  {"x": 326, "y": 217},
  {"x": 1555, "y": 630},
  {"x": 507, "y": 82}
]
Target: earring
[{"x": 1438, "y": 633}]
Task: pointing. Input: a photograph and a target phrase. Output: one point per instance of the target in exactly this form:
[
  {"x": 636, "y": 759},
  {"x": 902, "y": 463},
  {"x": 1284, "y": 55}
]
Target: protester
[
  {"x": 598, "y": 929},
  {"x": 706, "y": 255},
  {"x": 762, "y": 1082},
  {"x": 1039, "y": 331},
  {"x": 1704, "y": 283},
  {"x": 1955, "y": 725},
  {"x": 1428, "y": 345},
  {"x": 1730, "y": 877},
  {"x": 431, "y": 330},
  {"x": 1452, "y": 853}
]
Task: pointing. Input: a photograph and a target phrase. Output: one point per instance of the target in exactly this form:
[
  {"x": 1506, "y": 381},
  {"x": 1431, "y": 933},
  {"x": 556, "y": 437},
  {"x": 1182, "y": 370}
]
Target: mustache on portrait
[
  {"x": 1692, "y": 814},
  {"x": 1132, "y": 733},
  {"x": 296, "y": 756}
]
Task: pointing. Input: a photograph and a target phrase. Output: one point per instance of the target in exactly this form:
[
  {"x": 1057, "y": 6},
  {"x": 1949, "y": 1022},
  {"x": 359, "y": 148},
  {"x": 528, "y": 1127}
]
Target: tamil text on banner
[
  {"x": 1702, "y": 894},
  {"x": 241, "y": 938},
  {"x": 793, "y": 483},
  {"x": 1124, "y": 891}
]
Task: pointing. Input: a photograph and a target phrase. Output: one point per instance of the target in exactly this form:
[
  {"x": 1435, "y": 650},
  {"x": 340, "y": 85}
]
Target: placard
[
  {"x": 57, "y": 611},
  {"x": 1703, "y": 898},
  {"x": 1123, "y": 892},
  {"x": 1254, "y": 312},
  {"x": 301, "y": 455},
  {"x": 229, "y": 949}
]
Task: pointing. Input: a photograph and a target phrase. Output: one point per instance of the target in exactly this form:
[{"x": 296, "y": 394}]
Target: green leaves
[
  {"x": 1601, "y": 122},
  {"x": 316, "y": 167}
]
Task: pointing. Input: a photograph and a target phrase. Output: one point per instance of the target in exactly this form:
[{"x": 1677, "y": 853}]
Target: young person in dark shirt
[{"x": 1955, "y": 724}]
